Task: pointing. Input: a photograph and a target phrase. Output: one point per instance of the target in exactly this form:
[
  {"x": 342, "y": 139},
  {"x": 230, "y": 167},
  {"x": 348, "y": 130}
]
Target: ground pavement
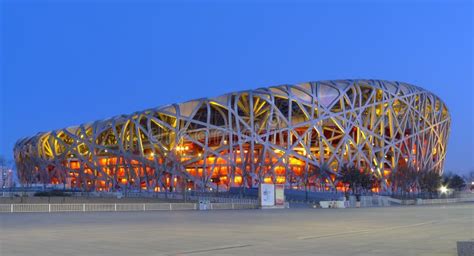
[{"x": 411, "y": 230}]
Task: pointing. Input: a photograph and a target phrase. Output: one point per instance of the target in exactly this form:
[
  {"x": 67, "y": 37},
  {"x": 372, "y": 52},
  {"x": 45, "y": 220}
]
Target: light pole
[{"x": 217, "y": 181}]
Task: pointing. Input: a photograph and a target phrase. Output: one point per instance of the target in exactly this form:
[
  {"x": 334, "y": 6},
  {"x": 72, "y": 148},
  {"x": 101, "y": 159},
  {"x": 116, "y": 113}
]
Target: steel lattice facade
[{"x": 279, "y": 134}]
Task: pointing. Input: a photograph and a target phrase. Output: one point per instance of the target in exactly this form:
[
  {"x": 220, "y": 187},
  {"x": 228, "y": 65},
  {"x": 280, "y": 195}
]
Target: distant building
[
  {"x": 7, "y": 178},
  {"x": 281, "y": 134}
]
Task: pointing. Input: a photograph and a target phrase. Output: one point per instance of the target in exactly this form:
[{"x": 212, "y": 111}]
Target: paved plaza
[{"x": 423, "y": 230}]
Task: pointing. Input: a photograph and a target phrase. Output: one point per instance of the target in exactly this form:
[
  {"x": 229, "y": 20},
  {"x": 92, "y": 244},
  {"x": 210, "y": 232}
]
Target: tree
[
  {"x": 324, "y": 172},
  {"x": 368, "y": 180},
  {"x": 470, "y": 179},
  {"x": 349, "y": 175},
  {"x": 430, "y": 181},
  {"x": 358, "y": 180},
  {"x": 404, "y": 178},
  {"x": 456, "y": 182},
  {"x": 311, "y": 173}
]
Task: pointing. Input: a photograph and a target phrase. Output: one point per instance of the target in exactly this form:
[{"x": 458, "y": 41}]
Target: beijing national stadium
[{"x": 276, "y": 135}]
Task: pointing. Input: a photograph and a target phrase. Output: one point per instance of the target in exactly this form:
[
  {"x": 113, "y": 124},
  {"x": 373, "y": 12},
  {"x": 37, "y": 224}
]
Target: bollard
[{"x": 465, "y": 248}]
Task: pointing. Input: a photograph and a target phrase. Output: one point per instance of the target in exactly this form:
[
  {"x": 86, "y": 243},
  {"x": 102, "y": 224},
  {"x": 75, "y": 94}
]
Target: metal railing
[
  {"x": 225, "y": 200},
  {"x": 18, "y": 208},
  {"x": 444, "y": 201}
]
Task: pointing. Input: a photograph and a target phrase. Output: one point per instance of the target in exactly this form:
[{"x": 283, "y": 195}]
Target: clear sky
[{"x": 68, "y": 62}]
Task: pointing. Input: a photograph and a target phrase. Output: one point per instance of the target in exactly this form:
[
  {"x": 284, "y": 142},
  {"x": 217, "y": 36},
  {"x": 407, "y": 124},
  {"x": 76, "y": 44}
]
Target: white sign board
[
  {"x": 280, "y": 194},
  {"x": 267, "y": 194}
]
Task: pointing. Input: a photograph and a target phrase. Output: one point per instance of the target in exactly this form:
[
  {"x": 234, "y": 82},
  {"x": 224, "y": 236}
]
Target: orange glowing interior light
[
  {"x": 75, "y": 165},
  {"x": 280, "y": 179},
  {"x": 280, "y": 170},
  {"x": 103, "y": 161},
  {"x": 295, "y": 161},
  {"x": 112, "y": 160},
  {"x": 238, "y": 179}
]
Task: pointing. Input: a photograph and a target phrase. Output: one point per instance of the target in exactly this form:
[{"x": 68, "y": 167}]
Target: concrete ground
[{"x": 415, "y": 230}]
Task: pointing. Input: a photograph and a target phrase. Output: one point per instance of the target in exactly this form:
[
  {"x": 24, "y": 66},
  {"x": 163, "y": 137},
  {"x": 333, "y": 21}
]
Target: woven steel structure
[{"x": 280, "y": 134}]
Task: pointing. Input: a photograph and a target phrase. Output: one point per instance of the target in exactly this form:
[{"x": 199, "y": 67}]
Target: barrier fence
[
  {"x": 71, "y": 197},
  {"x": 383, "y": 201},
  {"x": 12, "y": 208},
  {"x": 191, "y": 197},
  {"x": 444, "y": 201}
]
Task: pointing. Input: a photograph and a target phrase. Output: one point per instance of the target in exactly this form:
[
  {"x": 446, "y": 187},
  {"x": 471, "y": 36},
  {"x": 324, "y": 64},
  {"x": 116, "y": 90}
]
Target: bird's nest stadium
[{"x": 280, "y": 134}]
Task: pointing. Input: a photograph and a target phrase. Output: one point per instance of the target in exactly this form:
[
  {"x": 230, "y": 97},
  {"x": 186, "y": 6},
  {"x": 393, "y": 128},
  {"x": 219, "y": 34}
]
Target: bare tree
[
  {"x": 359, "y": 180},
  {"x": 403, "y": 179},
  {"x": 324, "y": 173}
]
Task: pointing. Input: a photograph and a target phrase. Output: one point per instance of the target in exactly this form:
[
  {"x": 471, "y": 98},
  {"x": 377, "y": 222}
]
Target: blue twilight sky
[{"x": 69, "y": 62}]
